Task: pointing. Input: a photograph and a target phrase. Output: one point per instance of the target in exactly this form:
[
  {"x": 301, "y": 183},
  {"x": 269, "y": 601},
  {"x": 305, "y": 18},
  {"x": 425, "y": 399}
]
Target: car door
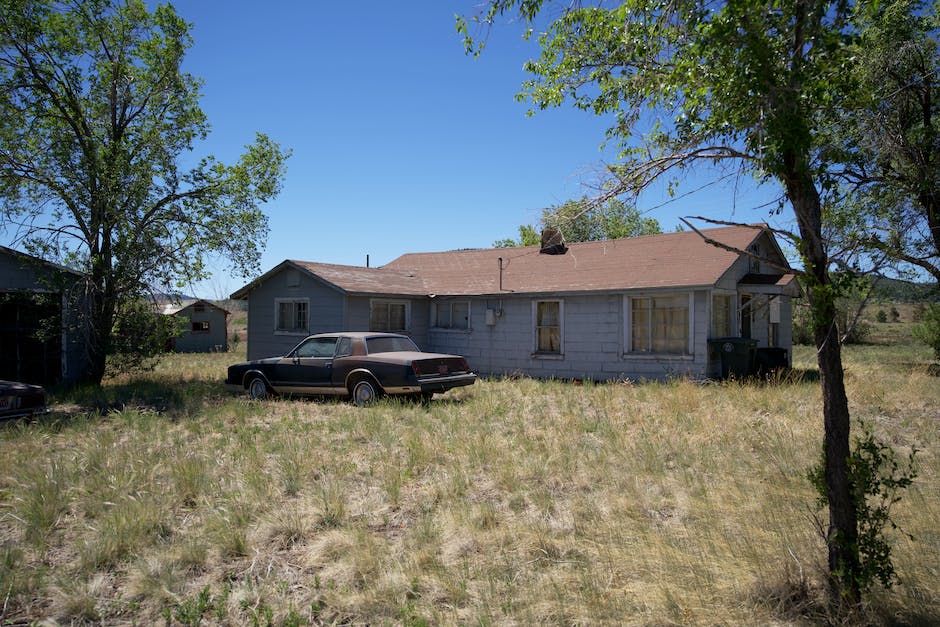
[{"x": 309, "y": 367}]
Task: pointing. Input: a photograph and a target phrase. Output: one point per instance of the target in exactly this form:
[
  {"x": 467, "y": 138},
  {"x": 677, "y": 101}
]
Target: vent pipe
[{"x": 500, "y": 274}]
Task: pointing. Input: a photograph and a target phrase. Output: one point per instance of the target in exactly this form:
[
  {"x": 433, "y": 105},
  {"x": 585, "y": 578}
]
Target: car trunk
[{"x": 440, "y": 366}]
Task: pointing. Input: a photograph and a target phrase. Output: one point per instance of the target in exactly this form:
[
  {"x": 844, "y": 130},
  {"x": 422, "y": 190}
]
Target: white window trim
[
  {"x": 536, "y": 354},
  {"x": 628, "y": 327},
  {"x": 433, "y": 316},
  {"x": 391, "y": 301},
  {"x": 277, "y": 310}
]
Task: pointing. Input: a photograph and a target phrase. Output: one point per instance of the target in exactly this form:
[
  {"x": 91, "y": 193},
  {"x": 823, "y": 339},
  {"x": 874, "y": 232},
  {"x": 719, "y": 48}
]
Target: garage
[{"x": 40, "y": 338}]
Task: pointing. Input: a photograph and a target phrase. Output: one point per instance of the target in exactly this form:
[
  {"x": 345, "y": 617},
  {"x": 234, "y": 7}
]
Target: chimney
[{"x": 553, "y": 242}]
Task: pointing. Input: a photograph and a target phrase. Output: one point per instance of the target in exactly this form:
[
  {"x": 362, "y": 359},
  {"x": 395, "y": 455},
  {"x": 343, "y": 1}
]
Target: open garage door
[{"x": 31, "y": 337}]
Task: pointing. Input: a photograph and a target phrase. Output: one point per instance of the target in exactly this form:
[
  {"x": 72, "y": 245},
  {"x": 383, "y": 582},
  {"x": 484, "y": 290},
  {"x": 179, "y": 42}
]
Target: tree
[
  {"x": 891, "y": 138},
  {"x": 744, "y": 82},
  {"x": 95, "y": 116},
  {"x": 587, "y": 221}
]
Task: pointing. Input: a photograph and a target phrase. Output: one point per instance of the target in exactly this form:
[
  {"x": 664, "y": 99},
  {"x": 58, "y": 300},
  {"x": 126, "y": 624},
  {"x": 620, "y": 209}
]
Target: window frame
[
  {"x": 732, "y": 313},
  {"x": 205, "y": 327},
  {"x": 540, "y": 354},
  {"x": 278, "y": 330},
  {"x": 388, "y": 302},
  {"x": 628, "y": 325},
  {"x": 449, "y": 303}
]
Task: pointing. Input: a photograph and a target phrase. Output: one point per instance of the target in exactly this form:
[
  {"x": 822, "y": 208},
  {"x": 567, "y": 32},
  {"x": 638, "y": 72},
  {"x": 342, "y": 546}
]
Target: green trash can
[{"x": 737, "y": 355}]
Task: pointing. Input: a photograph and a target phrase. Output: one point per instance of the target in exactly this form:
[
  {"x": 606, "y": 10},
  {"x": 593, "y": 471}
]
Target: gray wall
[
  {"x": 215, "y": 340},
  {"x": 325, "y": 313},
  {"x": 593, "y": 341}
]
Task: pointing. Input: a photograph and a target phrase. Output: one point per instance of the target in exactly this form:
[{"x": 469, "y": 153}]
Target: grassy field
[{"x": 162, "y": 498}]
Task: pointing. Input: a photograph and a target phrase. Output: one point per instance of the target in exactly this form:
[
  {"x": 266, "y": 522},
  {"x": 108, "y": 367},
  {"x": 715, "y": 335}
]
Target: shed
[
  {"x": 42, "y": 337},
  {"x": 205, "y": 326}
]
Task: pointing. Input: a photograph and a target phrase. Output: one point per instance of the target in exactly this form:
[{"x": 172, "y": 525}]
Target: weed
[{"x": 42, "y": 497}]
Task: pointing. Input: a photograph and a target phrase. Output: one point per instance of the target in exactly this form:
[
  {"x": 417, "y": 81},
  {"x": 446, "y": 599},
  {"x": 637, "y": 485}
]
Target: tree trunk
[{"x": 843, "y": 515}]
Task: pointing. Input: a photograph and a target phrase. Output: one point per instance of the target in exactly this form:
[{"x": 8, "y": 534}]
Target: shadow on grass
[{"x": 174, "y": 399}]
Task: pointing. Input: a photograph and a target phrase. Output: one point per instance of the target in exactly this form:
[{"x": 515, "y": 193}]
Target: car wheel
[
  {"x": 257, "y": 389},
  {"x": 364, "y": 391}
]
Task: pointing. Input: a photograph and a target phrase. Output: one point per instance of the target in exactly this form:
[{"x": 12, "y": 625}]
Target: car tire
[
  {"x": 257, "y": 389},
  {"x": 364, "y": 391}
]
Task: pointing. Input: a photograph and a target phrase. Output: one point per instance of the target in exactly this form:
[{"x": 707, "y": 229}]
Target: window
[
  {"x": 548, "y": 327},
  {"x": 389, "y": 315},
  {"x": 200, "y": 327},
  {"x": 316, "y": 348},
  {"x": 451, "y": 315},
  {"x": 199, "y": 307},
  {"x": 721, "y": 315},
  {"x": 660, "y": 324},
  {"x": 291, "y": 316},
  {"x": 344, "y": 347}
]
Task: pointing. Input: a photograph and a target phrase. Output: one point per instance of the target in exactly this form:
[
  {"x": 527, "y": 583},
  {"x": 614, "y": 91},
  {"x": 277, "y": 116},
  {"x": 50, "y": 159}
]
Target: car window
[
  {"x": 389, "y": 345},
  {"x": 344, "y": 347},
  {"x": 316, "y": 347}
]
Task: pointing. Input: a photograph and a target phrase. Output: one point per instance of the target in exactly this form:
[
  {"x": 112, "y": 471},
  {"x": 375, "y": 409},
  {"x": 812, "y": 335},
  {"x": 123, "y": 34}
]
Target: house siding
[
  {"x": 593, "y": 328},
  {"x": 215, "y": 340},
  {"x": 325, "y": 312}
]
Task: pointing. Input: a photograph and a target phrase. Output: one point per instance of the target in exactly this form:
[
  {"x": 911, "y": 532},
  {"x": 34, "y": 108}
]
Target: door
[
  {"x": 309, "y": 367},
  {"x": 746, "y": 316}
]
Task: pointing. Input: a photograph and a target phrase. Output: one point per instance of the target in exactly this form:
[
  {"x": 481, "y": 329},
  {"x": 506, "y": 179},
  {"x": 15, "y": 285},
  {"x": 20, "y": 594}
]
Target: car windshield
[{"x": 389, "y": 345}]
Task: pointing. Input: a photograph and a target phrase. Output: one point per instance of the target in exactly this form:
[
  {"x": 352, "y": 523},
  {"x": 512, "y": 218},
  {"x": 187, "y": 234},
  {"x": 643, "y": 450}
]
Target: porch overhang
[{"x": 771, "y": 284}]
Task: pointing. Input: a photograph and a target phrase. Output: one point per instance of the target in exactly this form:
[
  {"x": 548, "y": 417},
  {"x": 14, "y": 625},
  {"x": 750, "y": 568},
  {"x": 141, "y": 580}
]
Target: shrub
[
  {"x": 928, "y": 331},
  {"x": 881, "y": 316}
]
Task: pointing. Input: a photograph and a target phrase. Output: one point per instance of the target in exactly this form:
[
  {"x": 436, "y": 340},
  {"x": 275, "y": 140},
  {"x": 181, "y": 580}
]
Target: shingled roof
[
  {"x": 669, "y": 260},
  {"x": 655, "y": 261}
]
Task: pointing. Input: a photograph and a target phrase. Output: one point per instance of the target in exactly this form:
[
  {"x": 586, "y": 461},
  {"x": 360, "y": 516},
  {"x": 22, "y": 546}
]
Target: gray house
[
  {"x": 639, "y": 308},
  {"x": 41, "y": 338},
  {"x": 205, "y": 326}
]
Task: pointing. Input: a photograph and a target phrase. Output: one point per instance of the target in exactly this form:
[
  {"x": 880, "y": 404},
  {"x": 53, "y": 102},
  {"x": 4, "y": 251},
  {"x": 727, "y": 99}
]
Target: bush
[
  {"x": 851, "y": 331},
  {"x": 881, "y": 316},
  {"x": 928, "y": 331}
]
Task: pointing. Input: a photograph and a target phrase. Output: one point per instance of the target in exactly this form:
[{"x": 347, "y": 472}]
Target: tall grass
[{"x": 509, "y": 502}]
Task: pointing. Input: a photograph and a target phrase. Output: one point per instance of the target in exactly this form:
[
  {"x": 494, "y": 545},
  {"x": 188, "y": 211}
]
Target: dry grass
[{"x": 509, "y": 502}]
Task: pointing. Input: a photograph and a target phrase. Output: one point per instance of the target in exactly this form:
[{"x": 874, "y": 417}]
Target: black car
[
  {"x": 361, "y": 366},
  {"x": 21, "y": 399}
]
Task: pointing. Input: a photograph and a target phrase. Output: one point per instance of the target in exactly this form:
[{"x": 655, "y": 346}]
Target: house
[
  {"x": 41, "y": 324},
  {"x": 638, "y": 308},
  {"x": 204, "y": 326}
]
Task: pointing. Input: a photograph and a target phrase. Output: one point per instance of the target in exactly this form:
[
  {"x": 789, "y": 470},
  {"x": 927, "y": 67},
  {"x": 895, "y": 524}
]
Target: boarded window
[
  {"x": 660, "y": 324},
  {"x": 548, "y": 326},
  {"x": 452, "y": 315}
]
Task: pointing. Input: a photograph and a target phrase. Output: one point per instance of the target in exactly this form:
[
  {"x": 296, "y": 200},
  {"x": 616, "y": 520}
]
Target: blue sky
[{"x": 401, "y": 143}]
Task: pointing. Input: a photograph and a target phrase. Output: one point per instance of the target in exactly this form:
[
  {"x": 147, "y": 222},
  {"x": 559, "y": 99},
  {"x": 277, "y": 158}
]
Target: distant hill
[{"x": 906, "y": 291}]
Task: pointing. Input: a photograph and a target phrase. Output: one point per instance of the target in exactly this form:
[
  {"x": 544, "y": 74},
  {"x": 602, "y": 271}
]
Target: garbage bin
[
  {"x": 737, "y": 355},
  {"x": 770, "y": 359}
]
